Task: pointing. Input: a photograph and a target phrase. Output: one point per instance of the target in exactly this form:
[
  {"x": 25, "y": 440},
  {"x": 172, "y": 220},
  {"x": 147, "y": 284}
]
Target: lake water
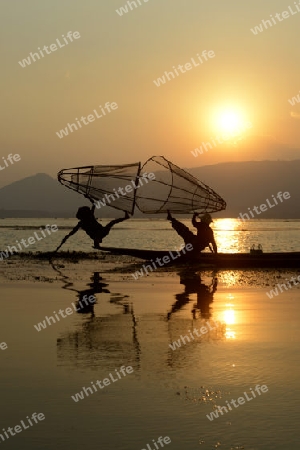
[
  {"x": 254, "y": 341},
  {"x": 231, "y": 235}
]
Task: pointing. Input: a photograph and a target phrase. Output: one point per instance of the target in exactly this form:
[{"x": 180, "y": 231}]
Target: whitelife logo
[
  {"x": 275, "y": 292},
  {"x": 205, "y": 146},
  {"x": 68, "y": 311},
  {"x": 31, "y": 240},
  {"x": 187, "y": 66},
  {"x": 90, "y": 118},
  {"x": 53, "y": 47},
  {"x": 184, "y": 339},
  {"x": 241, "y": 401},
  {"x": 11, "y": 158},
  {"x": 279, "y": 17},
  {"x": 263, "y": 207},
  {"x": 160, "y": 441},
  {"x": 106, "y": 381},
  {"x": 124, "y": 9},
  {"x": 165, "y": 260},
  {"x": 128, "y": 188},
  {"x": 36, "y": 417},
  {"x": 295, "y": 100}
]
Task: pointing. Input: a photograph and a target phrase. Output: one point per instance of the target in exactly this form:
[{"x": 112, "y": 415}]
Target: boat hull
[{"x": 221, "y": 260}]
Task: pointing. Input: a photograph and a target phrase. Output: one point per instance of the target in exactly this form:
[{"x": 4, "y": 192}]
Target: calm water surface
[
  {"x": 231, "y": 235},
  {"x": 170, "y": 392}
]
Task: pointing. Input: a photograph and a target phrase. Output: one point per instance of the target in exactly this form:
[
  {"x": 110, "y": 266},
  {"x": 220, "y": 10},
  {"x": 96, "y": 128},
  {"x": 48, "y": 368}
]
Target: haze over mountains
[{"x": 242, "y": 184}]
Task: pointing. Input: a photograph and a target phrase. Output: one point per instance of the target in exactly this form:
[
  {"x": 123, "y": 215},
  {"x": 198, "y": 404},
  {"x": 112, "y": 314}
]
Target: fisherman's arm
[
  {"x": 194, "y": 221},
  {"x": 213, "y": 242},
  {"x": 75, "y": 229},
  {"x": 92, "y": 202}
]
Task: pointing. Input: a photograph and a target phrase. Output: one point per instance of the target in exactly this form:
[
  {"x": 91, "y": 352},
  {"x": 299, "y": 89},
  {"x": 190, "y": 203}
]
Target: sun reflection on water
[
  {"x": 226, "y": 235},
  {"x": 229, "y": 318}
]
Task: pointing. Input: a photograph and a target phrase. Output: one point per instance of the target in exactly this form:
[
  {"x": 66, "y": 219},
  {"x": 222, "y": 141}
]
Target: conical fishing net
[
  {"x": 113, "y": 186},
  {"x": 175, "y": 190}
]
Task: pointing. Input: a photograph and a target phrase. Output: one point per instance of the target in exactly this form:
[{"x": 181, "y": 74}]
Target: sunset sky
[{"x": 117, "y": 58}]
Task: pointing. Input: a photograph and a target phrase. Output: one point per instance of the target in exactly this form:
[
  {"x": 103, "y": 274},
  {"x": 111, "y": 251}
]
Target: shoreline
[{"x": 78, "y": 267}]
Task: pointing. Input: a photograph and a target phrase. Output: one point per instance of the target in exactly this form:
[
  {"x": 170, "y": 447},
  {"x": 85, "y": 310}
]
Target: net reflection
[{"x": 102, "y": 341}]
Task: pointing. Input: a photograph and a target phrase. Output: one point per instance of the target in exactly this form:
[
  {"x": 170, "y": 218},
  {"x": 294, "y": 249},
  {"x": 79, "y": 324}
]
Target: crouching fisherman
[
  {"x": 89, "y": 223},
  {"x": 204, "y": 237}
]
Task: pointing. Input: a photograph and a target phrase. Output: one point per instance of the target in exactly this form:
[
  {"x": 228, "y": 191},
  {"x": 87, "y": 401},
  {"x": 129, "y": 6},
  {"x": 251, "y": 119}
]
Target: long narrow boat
[{"x": 222, "y": 260}]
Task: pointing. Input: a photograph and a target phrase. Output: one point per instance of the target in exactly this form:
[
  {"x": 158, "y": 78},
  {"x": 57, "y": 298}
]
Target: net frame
[
  {"x": 211, "y": 201},
  {"x": 71, "y": 177}
]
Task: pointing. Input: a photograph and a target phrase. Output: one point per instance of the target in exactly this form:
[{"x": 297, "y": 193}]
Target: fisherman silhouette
[
  {"x": 204, "y": 237},
  {"x": 89, "y": 223}
]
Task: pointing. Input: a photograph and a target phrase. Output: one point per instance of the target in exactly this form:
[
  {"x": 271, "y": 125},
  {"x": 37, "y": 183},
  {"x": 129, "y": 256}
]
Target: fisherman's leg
[
  {"x": 109, "y": 226},
  {"x": 183, "y": 231},
  {"x": 97, "y": 242}
]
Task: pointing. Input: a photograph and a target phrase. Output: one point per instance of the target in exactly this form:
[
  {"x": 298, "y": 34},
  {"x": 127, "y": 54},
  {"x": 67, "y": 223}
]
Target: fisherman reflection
[
  {"x": 193, "y": 285},
  {"x": 86, "y": 298}
]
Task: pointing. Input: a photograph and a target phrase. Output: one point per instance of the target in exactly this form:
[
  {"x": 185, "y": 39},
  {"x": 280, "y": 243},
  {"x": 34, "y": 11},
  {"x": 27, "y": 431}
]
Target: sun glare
[{"x": 229, "y": 122}]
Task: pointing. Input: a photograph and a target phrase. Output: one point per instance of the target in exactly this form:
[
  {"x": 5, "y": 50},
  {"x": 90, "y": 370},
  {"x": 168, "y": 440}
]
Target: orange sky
[{"x": 117, "y": 58}]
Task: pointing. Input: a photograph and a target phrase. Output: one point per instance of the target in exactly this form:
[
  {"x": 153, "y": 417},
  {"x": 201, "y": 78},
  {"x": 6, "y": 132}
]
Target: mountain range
[{"x": 242, "y": 184}]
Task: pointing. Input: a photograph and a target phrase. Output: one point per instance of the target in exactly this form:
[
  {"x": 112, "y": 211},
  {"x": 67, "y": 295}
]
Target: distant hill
[
  {"x": 40, "y": 193},
  {"x": 242, "y": 184},
  {"x": 247, "y": 184}
]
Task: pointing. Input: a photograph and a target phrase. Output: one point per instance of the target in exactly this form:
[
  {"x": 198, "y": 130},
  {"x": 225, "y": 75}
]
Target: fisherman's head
[
  {"x": 206, "y": 218},
  {"x": 83, "y": 212}
]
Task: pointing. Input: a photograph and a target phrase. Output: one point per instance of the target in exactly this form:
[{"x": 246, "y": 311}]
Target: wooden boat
[{"x": 221, "y": 260}]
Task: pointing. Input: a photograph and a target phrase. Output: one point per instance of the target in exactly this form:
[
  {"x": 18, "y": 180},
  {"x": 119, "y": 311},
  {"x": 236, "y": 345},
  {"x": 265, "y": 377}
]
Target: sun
[{"x": 229, "y": 121}]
